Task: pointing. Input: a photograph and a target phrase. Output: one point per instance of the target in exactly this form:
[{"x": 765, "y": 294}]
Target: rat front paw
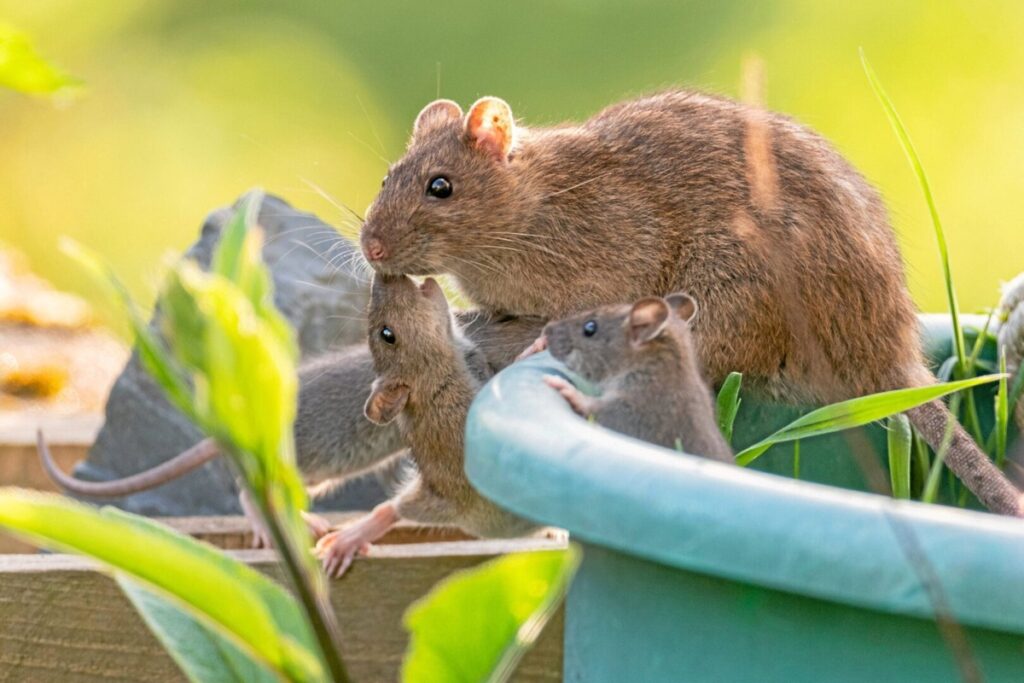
[
  {"x": 576, "y": 400},
  {"x": 539, "y": 344}
]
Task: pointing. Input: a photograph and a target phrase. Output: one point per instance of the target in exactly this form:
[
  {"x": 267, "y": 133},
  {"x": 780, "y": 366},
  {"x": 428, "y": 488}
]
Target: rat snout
[
  {"x": 557, "y": 341},
  {"x": 374, "y": 249}
]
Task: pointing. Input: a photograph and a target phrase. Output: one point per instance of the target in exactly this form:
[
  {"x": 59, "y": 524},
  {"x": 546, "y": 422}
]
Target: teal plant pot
[{"x": 697, "y": 570}]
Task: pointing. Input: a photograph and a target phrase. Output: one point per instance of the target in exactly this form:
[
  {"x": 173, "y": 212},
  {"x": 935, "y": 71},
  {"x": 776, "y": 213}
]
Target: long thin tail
[
  {"x": 183, "y": 463},
  {"x": 967, "y": 461}
]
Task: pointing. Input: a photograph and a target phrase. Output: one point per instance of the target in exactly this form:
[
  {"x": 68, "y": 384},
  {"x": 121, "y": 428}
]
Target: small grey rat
[
  {"x": 427, "y": 376},
  {"x": 641, "y": 358}
]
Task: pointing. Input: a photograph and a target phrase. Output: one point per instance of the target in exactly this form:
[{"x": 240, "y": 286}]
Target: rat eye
[
  {"x": 590, "y": 328},
  {"x": 387, "y": 335},
  {"x": 383, "y": 181},
  {"x": 439, "y": 187}
]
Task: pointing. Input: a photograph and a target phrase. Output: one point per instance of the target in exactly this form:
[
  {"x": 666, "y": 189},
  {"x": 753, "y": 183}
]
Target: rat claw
[
  {"x": 538, "y": 345},
  {"x": 318, "y": 526}
]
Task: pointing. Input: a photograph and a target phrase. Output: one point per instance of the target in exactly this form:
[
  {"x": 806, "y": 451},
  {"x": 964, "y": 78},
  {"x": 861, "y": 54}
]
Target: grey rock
[{"x": 322, "y": 294}]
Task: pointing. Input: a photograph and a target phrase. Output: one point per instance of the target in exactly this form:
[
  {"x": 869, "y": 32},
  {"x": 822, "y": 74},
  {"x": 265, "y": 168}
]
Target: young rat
[
  {"x": 786, "y": 246},
  {"x": 427, "y": 375},
  {"x": 641, "y": 358},
  {"x": 333, "y": 439}
]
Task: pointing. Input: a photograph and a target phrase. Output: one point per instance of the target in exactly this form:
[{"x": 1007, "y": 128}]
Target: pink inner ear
[{"x": 489, "y": 125}]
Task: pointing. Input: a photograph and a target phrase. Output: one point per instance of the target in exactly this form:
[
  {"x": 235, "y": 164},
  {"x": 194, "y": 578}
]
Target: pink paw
[
  {"x": 538, "y": 345},
  {"x": 336, "y": 550},
  {"x": 318, "y": 526},
  {"x": 571, "y": 394}
]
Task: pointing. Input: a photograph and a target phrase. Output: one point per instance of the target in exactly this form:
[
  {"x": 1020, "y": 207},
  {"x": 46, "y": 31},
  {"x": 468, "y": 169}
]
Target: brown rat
[
  {"x": 641, "y": 358},
  {"x": 427, "y": 376},
  {"x": 787, "y": 247}
]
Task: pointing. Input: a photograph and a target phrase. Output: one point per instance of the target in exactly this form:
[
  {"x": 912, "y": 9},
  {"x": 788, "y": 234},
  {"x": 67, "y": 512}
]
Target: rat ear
[
  {"x": 683, "y": 304},
  {"x": 490, "y": 128},
  {"x": 430, "y": 289},
  {"x": 647, "y": 319},
  {"x": 434, "y": 113},
  {"x": 387, "y": 398}
]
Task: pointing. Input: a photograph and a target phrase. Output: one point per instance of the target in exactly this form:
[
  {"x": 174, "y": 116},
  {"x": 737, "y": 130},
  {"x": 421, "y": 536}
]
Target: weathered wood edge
[{"x": 61, "y": 619}]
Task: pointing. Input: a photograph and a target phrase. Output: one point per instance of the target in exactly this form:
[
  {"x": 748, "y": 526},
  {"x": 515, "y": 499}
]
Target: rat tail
[
  {"x": 186, "y": 461},
  {"x": 966, "y": 460}
]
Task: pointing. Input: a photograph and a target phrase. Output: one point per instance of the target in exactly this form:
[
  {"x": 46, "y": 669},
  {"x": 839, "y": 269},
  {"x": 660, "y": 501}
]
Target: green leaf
[
  {"x": 477, "y": 624},
  {"x": 857, "y": 412},
  {"x": 202, "y": 654},
  {"x": 728, "y": 404},
  {"x": 22, "y": 69},
  {"x": 1002, "y": 412},
  {"x": 899, "y": 438},
  {"x": 922, "y": 179},
  {"x": 258, "y": 615}
]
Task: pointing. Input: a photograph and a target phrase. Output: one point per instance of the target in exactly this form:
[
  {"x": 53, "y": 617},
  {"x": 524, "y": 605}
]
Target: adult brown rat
[
  {"x": 427, "y": 376},
  {"x": 641, "y": 358},
  {"x": 787, "y": 247}
]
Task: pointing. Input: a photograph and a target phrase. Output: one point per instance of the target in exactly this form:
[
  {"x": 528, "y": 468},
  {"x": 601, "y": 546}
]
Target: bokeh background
[{"x": 191, "y": 102}]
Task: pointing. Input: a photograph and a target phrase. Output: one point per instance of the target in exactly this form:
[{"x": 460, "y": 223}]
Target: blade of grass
[
  {"x": 728, "y": 404},
  {"x": 922, "y": 179},
  {"x": 899, "y": 442},
  {"x": 857, "y": 412},
  {"x": 1002, "y": 413},
  {"x": 921, "y": 465},
  {"x": 796, "y": 459}
]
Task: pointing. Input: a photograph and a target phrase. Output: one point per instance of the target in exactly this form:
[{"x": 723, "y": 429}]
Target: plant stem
[{"x": 321, "y": 619}]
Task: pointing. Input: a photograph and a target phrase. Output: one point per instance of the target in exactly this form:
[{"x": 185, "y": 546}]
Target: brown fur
[
  {"x": 784, "y": 243},
  {"x": 434, "y": 372},
  {"x": 651, "y": 387}
]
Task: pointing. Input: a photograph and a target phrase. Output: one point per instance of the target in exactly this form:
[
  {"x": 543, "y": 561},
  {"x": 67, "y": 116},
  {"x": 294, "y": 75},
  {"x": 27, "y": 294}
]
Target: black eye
[
  {"x": 387, "y": 335},
  {"x": 590, "y": 328},
  {"x": 383, "y": 181},
  {"x": 440, "y": 187}
]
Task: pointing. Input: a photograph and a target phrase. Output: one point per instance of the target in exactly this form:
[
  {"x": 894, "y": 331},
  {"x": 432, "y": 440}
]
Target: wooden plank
[
  {"x": 60, "y": 619},
  {"x": 234, "y": 532}
]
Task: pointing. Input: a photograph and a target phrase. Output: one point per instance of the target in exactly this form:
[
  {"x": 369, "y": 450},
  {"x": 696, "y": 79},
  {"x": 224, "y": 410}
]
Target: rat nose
[{"x": 374, "y": 250}]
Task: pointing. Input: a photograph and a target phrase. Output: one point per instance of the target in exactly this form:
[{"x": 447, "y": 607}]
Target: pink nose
[{"x": 374, "y": 250}]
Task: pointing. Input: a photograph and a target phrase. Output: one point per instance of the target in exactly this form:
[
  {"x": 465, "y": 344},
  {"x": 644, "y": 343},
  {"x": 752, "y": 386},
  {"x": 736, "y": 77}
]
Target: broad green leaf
[
  {"x": 202, "y": 654},
  {"x": 857, "y": 412},
  {"x": 477, "y": 624},
  {"x": 22, "y": 68},
  {"x": 728, "y": 404},
  {"x": 922, "y": 179},
  {"x": 899, "y": 438},
  {"x": 256, "y": 613}
]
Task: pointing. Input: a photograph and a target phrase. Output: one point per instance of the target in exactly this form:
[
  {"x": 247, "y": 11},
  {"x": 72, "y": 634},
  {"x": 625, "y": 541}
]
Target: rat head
[
  {"x": 603, "y": 342},
  {"x": 452, "y": 184},
  {"x": 410, "y": 335}
]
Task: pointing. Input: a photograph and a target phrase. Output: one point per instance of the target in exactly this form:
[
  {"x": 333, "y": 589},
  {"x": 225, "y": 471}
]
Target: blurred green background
[{"x": 190, "y": 102}]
